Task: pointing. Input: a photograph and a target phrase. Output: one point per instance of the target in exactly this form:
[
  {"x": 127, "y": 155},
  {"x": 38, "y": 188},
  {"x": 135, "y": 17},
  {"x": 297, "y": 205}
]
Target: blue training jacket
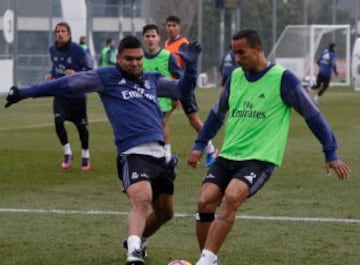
[
  {"x": 70, "y": 56},
  {"x": 327, "y": 62},
  {"x": 131, "y": 106}
]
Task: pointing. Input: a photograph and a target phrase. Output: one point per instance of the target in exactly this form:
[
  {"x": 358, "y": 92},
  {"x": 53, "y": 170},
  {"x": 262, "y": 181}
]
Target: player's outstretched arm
[
  {"x": 82, "y": 82},
  {"x": 46, "y": 89},
  {"x": 191, "y": 53},
  {"x": 187, "y": 83},
  {"x": 194, "y": 158},
  {"x": 341, "y": 169},
  {"x": 182, "y": 88}
]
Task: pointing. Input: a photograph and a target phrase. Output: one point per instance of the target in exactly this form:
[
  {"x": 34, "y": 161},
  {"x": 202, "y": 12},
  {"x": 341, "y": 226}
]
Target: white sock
[
  {"x": 207, "y": 257},
  {"x": 67, "y": 149},
  {"x": 167, "y": 148},
  {"x": 85, "y": 153},
  {"x": 316, "y": 97},
  {"x": 133, "y": 242},
  {"x": 210, "y": 147}
]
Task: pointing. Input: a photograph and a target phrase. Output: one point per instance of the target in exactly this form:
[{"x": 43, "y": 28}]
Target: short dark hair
[
  {"x": 63, "y": 24},
  {"x": 82, "y": 40},
  {"x": 175, "y": 19},
  {"x": 129, "y": 42},
  {"x": 252, "y": 37},
  {"x": 149, "y": 27},
  {"x": 332, "y": 46},
  {"x": 108, "y": 41}
]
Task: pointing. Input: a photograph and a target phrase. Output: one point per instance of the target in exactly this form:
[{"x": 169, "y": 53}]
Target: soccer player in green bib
[
  {"x": 160, "y": 60},
  {"x": 258, "y": 98}
]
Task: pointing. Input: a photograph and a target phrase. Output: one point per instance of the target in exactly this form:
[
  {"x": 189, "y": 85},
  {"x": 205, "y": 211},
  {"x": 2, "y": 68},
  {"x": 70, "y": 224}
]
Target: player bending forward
[{"x": 129, "y": 97}]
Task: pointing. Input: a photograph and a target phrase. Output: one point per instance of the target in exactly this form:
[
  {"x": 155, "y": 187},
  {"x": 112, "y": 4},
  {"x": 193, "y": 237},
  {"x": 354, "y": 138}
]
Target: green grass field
[{"x": 53, "y": 217}]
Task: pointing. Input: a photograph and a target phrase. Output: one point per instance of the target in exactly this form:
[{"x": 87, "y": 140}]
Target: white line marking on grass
[
  {"x": 248, "y": 217},
  {"x": 27, "y": 127},
  {"x": 299, "y": 219},
  {"x": 41, "y": 125}
]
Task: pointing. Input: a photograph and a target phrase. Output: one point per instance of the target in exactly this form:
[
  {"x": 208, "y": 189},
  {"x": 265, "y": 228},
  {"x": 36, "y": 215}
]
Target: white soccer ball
[{"x": 309, "y": 80}]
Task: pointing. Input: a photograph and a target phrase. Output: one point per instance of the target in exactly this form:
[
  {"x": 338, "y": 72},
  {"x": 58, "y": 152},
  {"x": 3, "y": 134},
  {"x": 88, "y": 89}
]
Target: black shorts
[
  {"x": 254, "y": 173},
  {"x": 321, "y": 79},
  {"x": 189, "y": 105},
  {"x": 133, "y": 168},
  {"x": 71, "y": 109}
]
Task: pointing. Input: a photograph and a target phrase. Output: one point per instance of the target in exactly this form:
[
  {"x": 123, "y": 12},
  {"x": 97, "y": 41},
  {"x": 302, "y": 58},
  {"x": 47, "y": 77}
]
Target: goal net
[{"x": 299, "y": 46}]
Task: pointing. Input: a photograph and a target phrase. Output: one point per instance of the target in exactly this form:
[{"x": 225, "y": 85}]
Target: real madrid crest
[{"x": 147, "y": 84}]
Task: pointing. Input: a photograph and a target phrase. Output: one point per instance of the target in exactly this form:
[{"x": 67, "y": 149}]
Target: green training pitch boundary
[{"x": 183, "y": 215}]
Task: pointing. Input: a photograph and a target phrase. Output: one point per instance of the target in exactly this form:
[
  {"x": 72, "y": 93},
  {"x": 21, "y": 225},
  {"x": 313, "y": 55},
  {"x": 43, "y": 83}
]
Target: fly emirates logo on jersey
[
  {"x": 138, "y": 92},
  {"x": 248, "y": 111}
]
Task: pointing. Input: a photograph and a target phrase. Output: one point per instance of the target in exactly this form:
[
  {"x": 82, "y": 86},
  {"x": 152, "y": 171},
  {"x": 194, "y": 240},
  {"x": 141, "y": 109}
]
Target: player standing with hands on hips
[
  {"x": 129, "y": 97},
  {"x": 67, "y": 58},
  {"x": 258, "y": 97}
]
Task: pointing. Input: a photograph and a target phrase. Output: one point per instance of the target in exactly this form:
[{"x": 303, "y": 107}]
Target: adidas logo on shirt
[
  {"x": 122, "y": 81},
  {"x": 262, "y": 95}
]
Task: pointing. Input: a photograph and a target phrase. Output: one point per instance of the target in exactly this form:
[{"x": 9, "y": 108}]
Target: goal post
[{"x": 299, "y": 46}]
